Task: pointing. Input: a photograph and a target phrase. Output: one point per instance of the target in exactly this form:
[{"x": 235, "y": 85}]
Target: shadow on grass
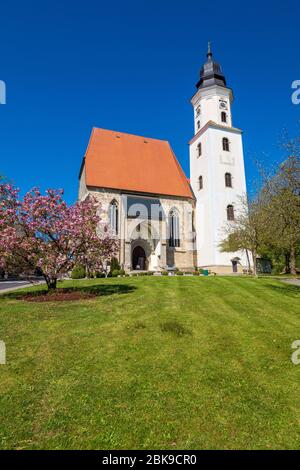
[
  {"x": 93, "y": 290},
  {"x": 285, "y": 288}
]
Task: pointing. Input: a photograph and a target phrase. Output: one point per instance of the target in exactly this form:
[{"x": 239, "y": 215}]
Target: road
[{"x": 12, "y": 285}]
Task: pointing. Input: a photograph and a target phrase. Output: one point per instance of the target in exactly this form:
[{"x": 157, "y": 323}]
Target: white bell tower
[{"x": 216, "y": 168}]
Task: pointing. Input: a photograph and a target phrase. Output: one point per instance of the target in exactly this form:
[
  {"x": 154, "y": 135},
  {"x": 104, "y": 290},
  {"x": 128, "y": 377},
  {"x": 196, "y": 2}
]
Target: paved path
[
  {"x": 4, "y": 285},
  {"x": 295, "y": 282},
  {"x": 7, "y": 286}
]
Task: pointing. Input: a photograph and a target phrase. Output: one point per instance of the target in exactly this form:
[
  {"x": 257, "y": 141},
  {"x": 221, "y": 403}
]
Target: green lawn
[{"x": 188, "y": 363}]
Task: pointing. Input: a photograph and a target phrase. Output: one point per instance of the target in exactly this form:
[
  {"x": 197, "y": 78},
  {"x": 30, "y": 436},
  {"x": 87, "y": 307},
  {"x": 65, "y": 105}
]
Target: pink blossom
[{"x": 41, "y": 231}]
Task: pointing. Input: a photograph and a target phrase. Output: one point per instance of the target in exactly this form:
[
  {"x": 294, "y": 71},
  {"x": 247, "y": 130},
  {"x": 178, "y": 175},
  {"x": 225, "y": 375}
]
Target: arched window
[
  {"x": 223, "y": 116},
  {"x": 174, "y": 235},
  {"x": 230, "y": 212},
  {"x": 198, "y": 124},
  {"x": 199, "y": 149},
  {"x": 114, "y": 216},
  {"x": 228, "y": 180},
  {"x": 225, "y": 144},
  {"x": 200, "y": 182}
]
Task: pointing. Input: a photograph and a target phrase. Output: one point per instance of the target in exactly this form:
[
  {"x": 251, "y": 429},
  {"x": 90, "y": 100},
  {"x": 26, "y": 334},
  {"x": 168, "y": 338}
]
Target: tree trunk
[
  {"x": 248, "y": 261},
  {"x": 293, "y": 261},
  {"x": 287, "y": 268},
  {"x": 254, "y": 256},
  {"x": 51, "y": 282}
]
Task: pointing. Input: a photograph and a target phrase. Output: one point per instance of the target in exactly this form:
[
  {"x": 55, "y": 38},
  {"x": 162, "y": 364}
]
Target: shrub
[
  {"x": 277, "y": 269},
  {"x": 78, "y": 272},
  {"x": 114, "y": 265},
  {"x": 100, "y": 275}
]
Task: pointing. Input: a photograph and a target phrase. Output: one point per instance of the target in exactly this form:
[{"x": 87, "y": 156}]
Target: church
[{"x": 164, "y": 220}]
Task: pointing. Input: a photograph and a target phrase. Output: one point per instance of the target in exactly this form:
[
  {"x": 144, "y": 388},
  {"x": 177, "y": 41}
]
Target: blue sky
[{"x": 132, "y": 66}]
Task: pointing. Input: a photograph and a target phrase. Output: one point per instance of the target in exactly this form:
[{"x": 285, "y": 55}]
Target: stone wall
[{"x": 182, "y": 257}]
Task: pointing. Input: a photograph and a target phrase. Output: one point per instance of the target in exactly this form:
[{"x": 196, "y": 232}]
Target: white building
[
  {"x": 163, "y": 220},
  {"x": 216, "y": 167}
]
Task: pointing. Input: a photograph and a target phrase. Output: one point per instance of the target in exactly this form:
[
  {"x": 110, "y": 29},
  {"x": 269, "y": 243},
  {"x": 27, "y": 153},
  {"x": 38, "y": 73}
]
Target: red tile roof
[{"x": 129, "y": 162}]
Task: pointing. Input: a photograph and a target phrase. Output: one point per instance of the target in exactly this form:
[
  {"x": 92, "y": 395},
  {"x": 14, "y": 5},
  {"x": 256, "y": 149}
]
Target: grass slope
[{"x": 153, "y": 363}]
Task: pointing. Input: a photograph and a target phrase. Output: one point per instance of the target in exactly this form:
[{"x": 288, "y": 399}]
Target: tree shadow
[
  {"x": 286, "y": 289},
  {"x": 96, "y": 290}
]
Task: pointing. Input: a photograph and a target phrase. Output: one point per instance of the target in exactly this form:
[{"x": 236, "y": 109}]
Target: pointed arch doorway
[{"x": 139, "y": 258}]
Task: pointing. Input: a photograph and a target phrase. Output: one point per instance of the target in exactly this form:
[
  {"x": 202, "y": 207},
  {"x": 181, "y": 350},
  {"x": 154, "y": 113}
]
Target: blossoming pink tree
[{"x": 41, "y": 231}]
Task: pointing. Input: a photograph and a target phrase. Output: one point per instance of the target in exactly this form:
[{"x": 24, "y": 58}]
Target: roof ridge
[{"x": 128, "y": 133}]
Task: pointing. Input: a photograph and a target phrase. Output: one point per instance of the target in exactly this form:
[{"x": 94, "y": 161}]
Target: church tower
[{"x": 216, "y": 168}]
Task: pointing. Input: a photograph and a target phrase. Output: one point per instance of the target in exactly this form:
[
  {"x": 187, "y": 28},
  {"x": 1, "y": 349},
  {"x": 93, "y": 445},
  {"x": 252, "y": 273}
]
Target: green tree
[
  {"x": 246, "y": 231},
  {"x": 270, "y": 223},
  {"x": 281, "y": 195}
]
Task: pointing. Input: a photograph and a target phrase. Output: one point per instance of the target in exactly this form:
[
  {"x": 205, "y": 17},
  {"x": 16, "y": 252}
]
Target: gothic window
[
  {"x": 113, "y": 216},
  {"x": 230, "y": 212},
  {"x": 223, "y": 116},
  {"x": 225, "y": 144},
  {"x": 200, "y": 182},
  {"x": 199, "y": 149},
  {"x": 174, "y": 236},
  {"x": 228, "y": 180}
]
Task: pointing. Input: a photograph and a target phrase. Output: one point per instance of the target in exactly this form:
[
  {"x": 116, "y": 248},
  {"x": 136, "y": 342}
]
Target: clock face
[{"x": 223, "y": 104}]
